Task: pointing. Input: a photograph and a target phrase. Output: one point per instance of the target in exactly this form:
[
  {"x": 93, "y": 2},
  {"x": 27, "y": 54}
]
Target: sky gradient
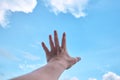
[{"x": 92, "y": 28}]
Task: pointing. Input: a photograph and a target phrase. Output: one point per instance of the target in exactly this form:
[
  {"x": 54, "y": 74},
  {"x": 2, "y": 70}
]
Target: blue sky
[{"x": 92, "y": 28}]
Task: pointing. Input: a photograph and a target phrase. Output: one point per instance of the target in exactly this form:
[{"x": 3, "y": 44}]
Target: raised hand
[
  {"x": 58, "y": 53},
  {"x": 58, "y": 60}
]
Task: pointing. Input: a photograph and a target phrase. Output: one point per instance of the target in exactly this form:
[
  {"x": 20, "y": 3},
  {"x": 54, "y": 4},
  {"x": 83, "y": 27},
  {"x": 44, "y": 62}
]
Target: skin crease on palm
[{"x": 57, "y": 59}]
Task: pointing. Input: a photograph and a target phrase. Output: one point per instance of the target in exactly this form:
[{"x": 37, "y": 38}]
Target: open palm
[{"x": 59, "y": 53}]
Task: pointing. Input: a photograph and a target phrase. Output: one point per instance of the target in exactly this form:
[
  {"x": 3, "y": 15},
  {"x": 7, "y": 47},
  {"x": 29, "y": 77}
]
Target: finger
[
  {"x": 56, "y": 39},
  {"x": 51, "y": 42},
  {"x": 45, "y": 48},
  {"x": 78, "y": 59},
  {"x": 75, "y": 60},
  {"x": 63, "y": 41}
]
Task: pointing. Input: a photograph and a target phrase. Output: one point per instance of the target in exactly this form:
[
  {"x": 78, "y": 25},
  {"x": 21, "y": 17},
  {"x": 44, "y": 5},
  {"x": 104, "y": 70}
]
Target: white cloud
[
  {"x": 30, "y": 56},
  {"x": 108, "y": 76},
  {"x": 25, "y": 67},
  {"x": 75, "y": 7},
  {"x": 111, "y": 76},
  {"x": 74, "y": 78},
  {"x": 92, "y": 79},
  {"x": 6, "y": 6}
]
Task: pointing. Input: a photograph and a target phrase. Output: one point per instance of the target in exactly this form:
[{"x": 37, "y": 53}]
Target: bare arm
[{"x": 58, "y": 60}]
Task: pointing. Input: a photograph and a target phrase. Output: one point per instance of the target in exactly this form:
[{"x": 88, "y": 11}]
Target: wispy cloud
[
  {"x": 30, "y": 56},
  {"x": 2, "y": 75},
  {"x": 7, "y": 6},
  {"x": 7, "y": 55},
  {"x": 26, "y": 66},
  {"x": 75, "y": 7},
  {"x": 36, "y": 45},
  {"x": 74, "y": 78},
  {"x": 108, "y": 76}
]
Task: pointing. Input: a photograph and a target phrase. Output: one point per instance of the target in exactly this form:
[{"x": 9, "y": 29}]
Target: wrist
[{"x": 57, "y": 64}]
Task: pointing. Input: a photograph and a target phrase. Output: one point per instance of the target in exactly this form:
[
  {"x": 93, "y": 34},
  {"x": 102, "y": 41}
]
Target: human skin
[{"x": 58, "y": 60}]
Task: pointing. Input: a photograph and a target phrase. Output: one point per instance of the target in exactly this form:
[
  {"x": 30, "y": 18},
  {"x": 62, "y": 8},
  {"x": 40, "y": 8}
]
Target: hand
[{"x": 59, "y": 53}]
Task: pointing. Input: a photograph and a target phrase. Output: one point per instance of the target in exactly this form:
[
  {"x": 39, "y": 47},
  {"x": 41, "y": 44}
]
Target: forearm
[
  {"x": 51, "y": 71},
  {"x": 58, "y": 60}
]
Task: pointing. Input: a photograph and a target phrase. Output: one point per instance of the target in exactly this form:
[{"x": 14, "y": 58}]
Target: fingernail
[
  {"x": 64, "y": 34},
  {"x": 50, "y": 36},
  {"x": 55, "y": 31},
  {"x": 42, "y": 43},
  {"x": 78, "y": 58}
]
